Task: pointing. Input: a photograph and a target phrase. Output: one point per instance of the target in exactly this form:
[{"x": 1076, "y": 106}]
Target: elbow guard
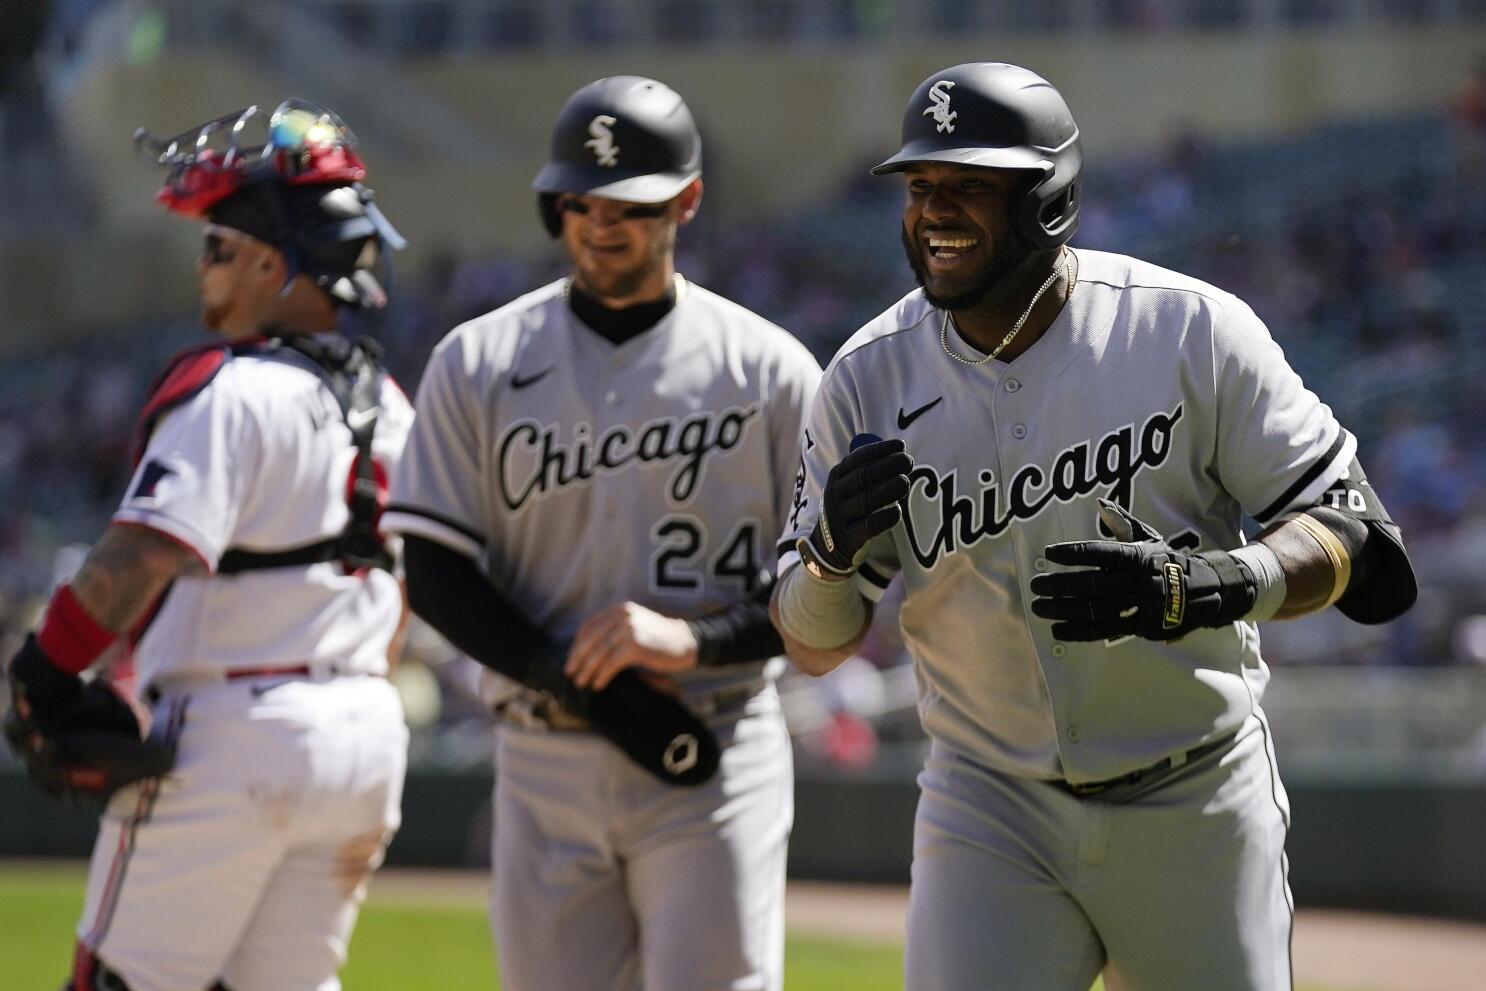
[{"x": 1382, "y": 585}]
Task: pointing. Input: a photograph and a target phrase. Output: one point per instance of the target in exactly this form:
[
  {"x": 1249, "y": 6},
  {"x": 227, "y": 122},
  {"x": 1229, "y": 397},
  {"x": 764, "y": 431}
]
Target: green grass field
[{"x": 399, "y": 945}]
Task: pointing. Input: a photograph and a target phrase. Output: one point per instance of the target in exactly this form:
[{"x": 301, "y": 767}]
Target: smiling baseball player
[
  {"x": 245, "y": 561},
  {"x": 1074, "y": 439},
  {"x": 590, "y": 501}
]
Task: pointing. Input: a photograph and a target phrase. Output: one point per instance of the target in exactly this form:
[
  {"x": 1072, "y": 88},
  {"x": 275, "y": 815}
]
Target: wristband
[
  {"x": 820, "y": 613},
  {"x": 69, "y": 637},
  {"x": 1269, "y": 580}
]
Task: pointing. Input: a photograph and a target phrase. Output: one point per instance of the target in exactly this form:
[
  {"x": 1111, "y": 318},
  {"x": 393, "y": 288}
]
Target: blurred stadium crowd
[{"x": 1360, "y": 243}]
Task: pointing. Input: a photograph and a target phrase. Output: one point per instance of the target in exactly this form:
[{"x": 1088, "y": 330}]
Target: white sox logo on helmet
[
  {"x": 1115, "y": 460},
  {"x": 602, "y": 140},
  {"x": 943, "y": 116}
]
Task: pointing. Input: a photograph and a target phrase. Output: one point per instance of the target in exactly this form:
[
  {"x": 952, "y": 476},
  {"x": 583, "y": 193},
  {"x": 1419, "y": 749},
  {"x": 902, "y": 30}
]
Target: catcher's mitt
[{"x": 88, "y": 749}]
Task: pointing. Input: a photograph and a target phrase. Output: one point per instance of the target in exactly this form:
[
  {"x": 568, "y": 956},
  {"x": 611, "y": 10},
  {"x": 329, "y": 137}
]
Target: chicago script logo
[
  {"x": 964, "y": 520},
  {"x": 534, "y": 460},
  {"x": 799, "y": 500},
  {"x": 601, "y": 140},
  {"x": 943, "y": 116}
]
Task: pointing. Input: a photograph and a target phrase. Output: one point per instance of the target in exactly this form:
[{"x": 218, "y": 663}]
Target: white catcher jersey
[
  {"x": 261, "y": 459},
  {"x": 1153, "y": 389},
  {"x": 581, "y": 473}
]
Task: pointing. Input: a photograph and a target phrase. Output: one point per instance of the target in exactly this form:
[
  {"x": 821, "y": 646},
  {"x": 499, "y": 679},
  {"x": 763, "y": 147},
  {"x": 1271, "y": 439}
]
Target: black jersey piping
[{"x": 1299, "y": 485}]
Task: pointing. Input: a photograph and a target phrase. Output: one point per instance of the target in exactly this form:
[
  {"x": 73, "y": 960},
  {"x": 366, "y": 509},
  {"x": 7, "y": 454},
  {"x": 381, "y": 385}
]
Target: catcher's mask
[
  {"x": 291, "y": 178},
  {"x": 623, "y": 138},
  {"x": 1000, "y": 116}
]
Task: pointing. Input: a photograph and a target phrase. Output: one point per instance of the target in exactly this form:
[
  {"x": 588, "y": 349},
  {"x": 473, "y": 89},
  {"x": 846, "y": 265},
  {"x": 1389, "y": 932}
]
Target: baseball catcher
[{"x": 246, "y": 569}]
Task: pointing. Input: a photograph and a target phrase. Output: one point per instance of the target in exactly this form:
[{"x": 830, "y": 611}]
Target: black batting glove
[
  {"x": 1139, "y": 585},
  {"x": 655, "y": 730},
  {"x": 860, "y": 500},
  {"x": 544, "y": 673}
]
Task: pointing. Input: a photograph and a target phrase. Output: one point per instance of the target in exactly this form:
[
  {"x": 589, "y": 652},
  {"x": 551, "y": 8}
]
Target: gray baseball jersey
[
  {"x": 583, "y": 474},
  {"x": 1150, "y": 388},
  {"x": 1168, "y": 396}
]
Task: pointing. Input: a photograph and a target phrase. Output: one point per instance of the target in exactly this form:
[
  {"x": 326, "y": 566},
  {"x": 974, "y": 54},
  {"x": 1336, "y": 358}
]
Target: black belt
[{"x": 1088, "y": 788}]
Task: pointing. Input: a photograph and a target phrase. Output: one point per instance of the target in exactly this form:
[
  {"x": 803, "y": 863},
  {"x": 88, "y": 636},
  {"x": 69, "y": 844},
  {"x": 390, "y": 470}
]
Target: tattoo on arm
[{"x": 126, "y": 571}]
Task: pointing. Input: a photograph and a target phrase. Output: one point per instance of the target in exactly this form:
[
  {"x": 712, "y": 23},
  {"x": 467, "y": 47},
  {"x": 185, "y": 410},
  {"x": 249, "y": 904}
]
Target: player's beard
[
  {"x": 993, "y": 284},
  {"x": 606, "y": 283}
]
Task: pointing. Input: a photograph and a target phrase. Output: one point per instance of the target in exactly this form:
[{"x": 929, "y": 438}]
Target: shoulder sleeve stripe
[
  {"x": 872, "y": 575},
  {"x": 1340, "y": 448},
  {"x": 783, "y": 547},
  {"x": 420, "y": 523},
  {"x": 177, "y": 532},
  {"x": 427, "y": 514}
]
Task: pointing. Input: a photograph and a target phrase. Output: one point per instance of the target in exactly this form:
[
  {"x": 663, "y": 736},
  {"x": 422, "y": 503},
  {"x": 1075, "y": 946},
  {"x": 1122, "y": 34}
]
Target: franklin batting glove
[
  {"x": 1139, "y": 586},
  {"x": 860, "y": 500}
]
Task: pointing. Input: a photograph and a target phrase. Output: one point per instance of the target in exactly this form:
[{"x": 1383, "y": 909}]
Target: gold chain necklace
[{"x": 944, "y": 327}]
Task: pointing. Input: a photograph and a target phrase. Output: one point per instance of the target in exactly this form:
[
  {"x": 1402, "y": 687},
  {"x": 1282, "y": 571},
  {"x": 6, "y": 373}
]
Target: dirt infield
[{"x": 1348, "y": 951}]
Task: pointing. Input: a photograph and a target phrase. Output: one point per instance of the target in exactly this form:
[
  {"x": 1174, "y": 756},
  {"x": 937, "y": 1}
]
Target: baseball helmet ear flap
[{"x": 1045, "y": 214}]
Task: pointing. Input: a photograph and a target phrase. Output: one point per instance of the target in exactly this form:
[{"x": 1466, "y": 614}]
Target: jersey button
[
  {"x": 1012, "y": 385},
  {"x": 612, "y": 398},
  {"x": 1074, "y": 733},
  {"x": 1019, "y": 431},
  {"x": 1040, "y": 563},
  {"x": 1059, "y": 650}
]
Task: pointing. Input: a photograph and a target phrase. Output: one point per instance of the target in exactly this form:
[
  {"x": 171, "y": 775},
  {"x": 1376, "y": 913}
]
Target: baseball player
[
  {"x": 245, "y": 562},
  {"x": 590, "y": 501},
  {"x": 1072, "y": 440}
]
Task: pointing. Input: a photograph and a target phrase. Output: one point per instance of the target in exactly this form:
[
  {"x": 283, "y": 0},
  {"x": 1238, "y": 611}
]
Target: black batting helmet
[
  {"x": 1000, "y": 116},
  {"x": 622, "y": 138}
]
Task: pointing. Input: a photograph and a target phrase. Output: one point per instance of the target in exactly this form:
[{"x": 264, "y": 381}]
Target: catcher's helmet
[
  {"x": 291, "y": 178},
  {"x": 1000, "y": 116},
  {"x": 622, "y": 138}
]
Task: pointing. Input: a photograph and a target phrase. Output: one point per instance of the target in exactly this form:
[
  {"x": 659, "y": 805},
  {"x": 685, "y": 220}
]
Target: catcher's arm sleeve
[{"x": 448, "y": 591}]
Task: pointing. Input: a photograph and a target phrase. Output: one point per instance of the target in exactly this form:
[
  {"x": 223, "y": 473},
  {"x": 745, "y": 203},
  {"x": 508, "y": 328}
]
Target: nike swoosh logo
[
  {"x": 517, "y": 382},
  {"x": 358, "y": 418},
  {"x": 905, "y": 420}
]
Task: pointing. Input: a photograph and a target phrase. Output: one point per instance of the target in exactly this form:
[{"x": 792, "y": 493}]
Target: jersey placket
[
  {"x": 614, "y": 404},
  {"x": 1013, "y": 401}
]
